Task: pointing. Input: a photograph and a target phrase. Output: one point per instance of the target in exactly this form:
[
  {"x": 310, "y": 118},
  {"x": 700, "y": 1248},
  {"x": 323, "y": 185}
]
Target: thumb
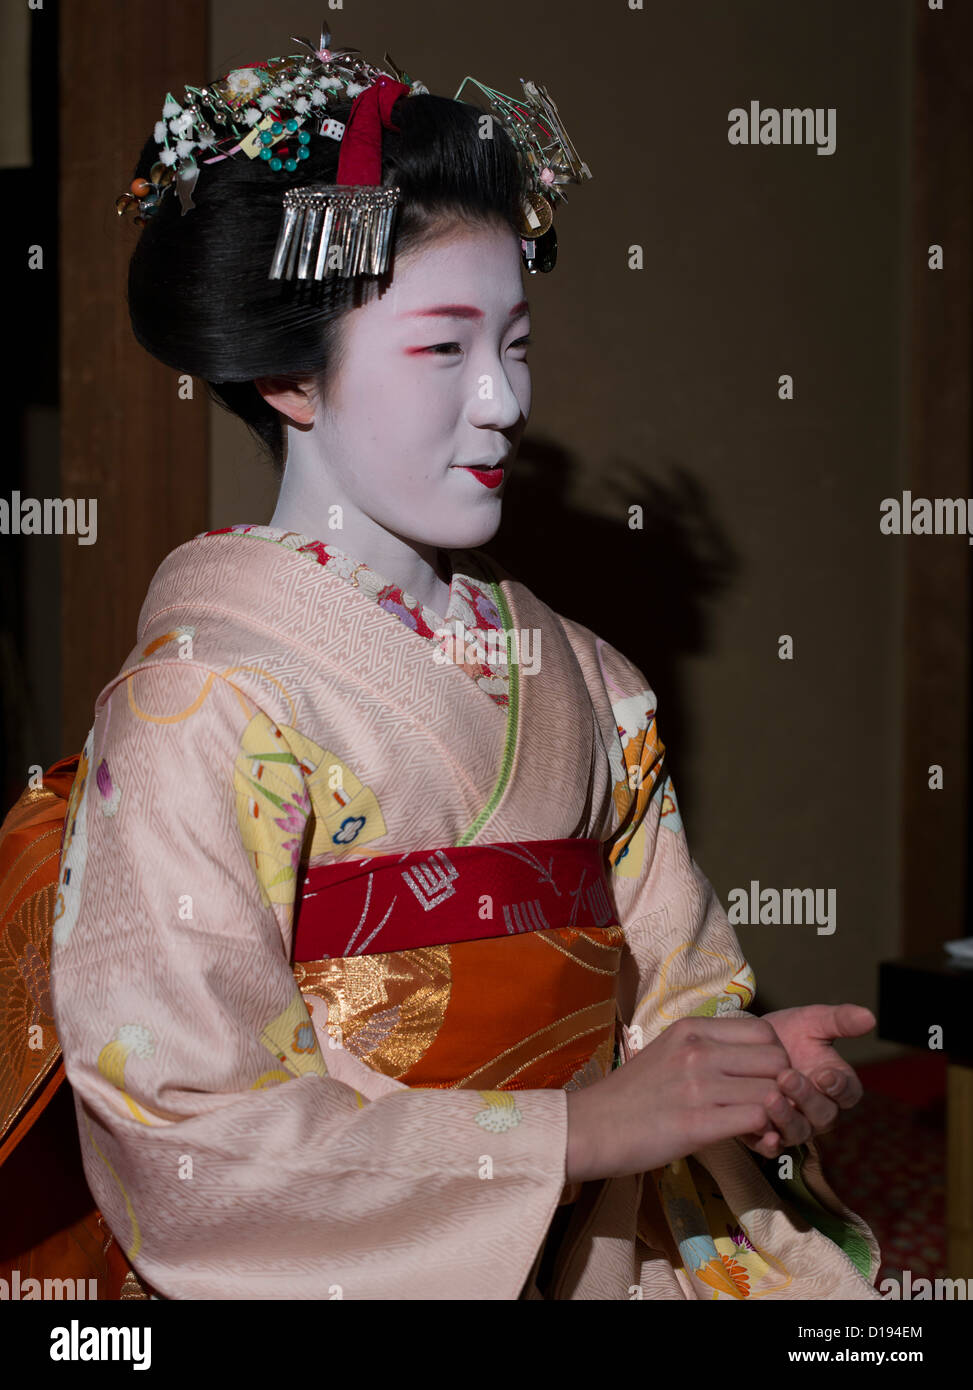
[{"x": 851, "y": 1021}]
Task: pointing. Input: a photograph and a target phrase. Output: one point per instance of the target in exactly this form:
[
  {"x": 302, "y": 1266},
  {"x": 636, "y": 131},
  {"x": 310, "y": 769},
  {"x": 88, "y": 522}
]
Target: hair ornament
[
  {"x": 548, "y": 157},
  {"x": 271, "y": 110}
]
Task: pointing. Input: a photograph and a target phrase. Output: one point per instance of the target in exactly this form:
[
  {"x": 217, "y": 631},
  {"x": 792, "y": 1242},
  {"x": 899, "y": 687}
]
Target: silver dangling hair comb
[{"x": 333, "y": 230}]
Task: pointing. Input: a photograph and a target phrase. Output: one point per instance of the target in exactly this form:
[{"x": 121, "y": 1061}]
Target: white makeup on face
[{"x": 433, "y": 376}]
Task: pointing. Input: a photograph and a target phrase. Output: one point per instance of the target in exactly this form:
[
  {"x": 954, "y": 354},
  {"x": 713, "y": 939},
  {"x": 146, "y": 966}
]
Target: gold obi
[{"x": 529, "y": 1011}]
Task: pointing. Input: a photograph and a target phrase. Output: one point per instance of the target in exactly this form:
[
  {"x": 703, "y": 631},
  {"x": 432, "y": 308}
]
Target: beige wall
[{"x": 759, "y": 261}]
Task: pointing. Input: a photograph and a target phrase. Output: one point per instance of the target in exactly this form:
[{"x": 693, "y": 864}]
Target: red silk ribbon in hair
[{"x": 360, "y": 161}]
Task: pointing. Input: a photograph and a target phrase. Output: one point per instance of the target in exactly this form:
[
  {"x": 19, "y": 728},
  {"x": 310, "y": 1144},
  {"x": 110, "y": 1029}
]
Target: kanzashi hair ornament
[
  {"x": 344, "y": 227},
  {"x": 251, "y": 113},
  {"x": 144, "y": 194},
  {"x": 271, "y": 111},
  {"x": 548, "y": 158},
  {"x": 345, "y": 230}
]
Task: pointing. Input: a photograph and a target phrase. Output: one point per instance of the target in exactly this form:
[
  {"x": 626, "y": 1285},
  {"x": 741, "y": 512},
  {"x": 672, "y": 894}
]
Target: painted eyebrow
[{"x": 460, "y": 311}]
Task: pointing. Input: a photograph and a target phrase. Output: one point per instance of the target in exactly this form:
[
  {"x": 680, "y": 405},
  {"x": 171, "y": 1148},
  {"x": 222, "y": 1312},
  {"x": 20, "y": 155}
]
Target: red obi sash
[{"x": 434, "y": 897}]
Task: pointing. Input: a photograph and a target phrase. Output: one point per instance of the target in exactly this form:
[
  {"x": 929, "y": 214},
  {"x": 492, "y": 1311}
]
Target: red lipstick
[{"x": 489, "y": 477}]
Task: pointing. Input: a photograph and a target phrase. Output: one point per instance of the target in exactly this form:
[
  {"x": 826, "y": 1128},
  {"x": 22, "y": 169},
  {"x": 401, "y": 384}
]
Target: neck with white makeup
[{"x": 304, "y": 504}]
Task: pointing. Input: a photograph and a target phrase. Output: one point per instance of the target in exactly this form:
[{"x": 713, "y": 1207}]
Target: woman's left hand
[{"x": 822, "y": 1082}]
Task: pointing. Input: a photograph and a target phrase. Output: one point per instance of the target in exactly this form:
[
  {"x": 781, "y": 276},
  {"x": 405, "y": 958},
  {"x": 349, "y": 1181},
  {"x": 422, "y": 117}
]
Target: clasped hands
[{"x": 818, "y": 1082}]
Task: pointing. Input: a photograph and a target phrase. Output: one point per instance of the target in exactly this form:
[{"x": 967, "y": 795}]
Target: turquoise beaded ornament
[{"x": 282, "y": 159}]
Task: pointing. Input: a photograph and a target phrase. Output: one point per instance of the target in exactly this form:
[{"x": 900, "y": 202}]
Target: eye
[
  {"x": 444, "y": 349},
  {"x": 524, "y": 342}
]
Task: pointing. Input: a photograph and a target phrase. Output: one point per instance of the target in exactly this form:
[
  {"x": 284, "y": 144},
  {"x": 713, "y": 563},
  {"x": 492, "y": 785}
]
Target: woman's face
[{"x": 432, "y": 378}]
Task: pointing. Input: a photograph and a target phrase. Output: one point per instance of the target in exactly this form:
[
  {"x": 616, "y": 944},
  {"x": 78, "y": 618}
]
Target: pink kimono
[{"x": 305, "y": 1064}]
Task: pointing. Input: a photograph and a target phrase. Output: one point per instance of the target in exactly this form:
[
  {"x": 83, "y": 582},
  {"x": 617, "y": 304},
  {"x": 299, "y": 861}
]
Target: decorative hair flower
[{"x": 243, "y": 82}]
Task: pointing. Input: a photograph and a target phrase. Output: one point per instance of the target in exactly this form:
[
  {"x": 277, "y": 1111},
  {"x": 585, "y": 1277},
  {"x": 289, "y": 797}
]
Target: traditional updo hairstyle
[{"x": 199, "y": 294}]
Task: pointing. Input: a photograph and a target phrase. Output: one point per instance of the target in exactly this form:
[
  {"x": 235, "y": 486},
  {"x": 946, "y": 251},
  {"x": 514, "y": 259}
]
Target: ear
[{"x": 296, "y": 399}]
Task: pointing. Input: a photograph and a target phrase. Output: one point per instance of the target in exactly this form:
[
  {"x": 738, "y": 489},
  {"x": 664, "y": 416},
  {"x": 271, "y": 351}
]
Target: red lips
[{"x": 489, "y": 477}]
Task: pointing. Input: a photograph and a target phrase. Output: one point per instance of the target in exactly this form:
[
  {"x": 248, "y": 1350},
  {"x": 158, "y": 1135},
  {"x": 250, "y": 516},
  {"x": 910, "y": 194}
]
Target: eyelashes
[{"x": 436, "y": 348}]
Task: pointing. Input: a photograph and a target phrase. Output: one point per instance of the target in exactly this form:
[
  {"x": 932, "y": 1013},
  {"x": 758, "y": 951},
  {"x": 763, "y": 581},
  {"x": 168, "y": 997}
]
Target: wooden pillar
[
  {"x": 959, "y": 1170},
  {"x": 937, "y": 710},
  {"x": 127, "y": 440}
]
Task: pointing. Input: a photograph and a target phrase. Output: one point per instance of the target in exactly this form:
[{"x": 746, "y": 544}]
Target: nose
[{"x": 494, "y": 403}]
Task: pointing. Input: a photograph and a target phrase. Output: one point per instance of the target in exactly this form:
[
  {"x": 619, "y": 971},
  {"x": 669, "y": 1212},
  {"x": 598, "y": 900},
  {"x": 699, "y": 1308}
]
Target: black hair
[{"x": 199, "y": 294}]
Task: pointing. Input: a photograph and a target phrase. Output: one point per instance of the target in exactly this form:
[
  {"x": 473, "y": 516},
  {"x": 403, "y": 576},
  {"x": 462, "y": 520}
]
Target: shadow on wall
[{"x": 646, "y": 592}]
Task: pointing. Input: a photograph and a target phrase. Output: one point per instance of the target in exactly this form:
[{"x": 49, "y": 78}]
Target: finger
[
  {"x": 753, "y": 1059},
  {"x": 738, "y": 1090},
  {"x": 712, "y": 1123},
  {"x": 792, "y": 1124},
  {"x": 729, "y": 1028},
  {"x": 840, "y": 1083},
  {"x": 819, "y": 1111},
  {"x": 838, "y": 1020},
  {"x": 853, "y": 1020},
  {"x": 766, "y": 1143}
]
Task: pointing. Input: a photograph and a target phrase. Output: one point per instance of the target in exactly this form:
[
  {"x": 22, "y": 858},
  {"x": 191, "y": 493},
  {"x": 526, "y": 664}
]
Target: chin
[
  {"x": 459, "y": 532},
  {"x": 472, "y": 532}
]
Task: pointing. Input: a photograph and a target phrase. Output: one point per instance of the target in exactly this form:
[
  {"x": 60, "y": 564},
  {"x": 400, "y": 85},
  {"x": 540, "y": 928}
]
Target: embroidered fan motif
[{"x": 282, "y": 780}]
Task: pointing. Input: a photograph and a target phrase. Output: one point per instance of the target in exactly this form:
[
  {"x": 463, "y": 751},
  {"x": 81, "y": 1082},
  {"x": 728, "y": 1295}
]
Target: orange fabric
[
  {"x": 453, "y": 1015},
  {"x": 501, "y": 981}
]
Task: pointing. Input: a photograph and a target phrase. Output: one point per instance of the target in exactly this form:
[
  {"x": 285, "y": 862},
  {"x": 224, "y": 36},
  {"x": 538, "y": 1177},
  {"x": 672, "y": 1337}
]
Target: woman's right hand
[{"x": 700, "y": 1081}]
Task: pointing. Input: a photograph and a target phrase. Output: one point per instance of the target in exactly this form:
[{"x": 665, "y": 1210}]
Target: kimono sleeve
[
  {"x": 684, "y": 960},
  {"x": 683, "y": 955},
  {"x": 226, "y": 1159}
]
